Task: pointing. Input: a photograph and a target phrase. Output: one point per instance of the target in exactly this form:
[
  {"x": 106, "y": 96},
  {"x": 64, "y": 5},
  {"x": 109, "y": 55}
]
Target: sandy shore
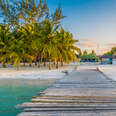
[
  {"x": 109, "y": 70},
  {"x": 35, "y": 72}
]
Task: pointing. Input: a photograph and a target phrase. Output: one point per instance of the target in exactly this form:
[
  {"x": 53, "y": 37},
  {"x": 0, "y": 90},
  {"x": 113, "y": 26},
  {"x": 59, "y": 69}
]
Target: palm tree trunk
[
  {"x": 54, "y": 63},
  {"x": 30, "y": 64},
  {"x": 50, "y": 64},
  {"x": 39, "y": 63},
  {"x": 24, "y": 64},
  {"x": 4, "y": 65},
  {"x": 18, "y": 66},
  {"x": 44, "y": 63},
  {"x": 35, "y": 63},
  {"x": 61, "y": 63},
  {"x": 57, "y": 65}
]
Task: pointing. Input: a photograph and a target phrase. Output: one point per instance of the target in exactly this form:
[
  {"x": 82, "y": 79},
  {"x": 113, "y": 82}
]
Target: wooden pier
[{"x": 84, "y": 92}]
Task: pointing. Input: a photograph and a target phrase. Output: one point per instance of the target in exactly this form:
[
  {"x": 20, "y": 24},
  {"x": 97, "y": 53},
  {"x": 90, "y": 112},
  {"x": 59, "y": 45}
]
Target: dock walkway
[{"x": 84, "y": 92}]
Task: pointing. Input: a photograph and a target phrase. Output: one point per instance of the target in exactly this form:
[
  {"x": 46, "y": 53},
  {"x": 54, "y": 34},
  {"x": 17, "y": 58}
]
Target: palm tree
[
  {"x": 5, "y": 42},
  {"x": 85, "y": 53},
  {"x": 93, "y": 52},
  {"x": 66, "y": 47},
  {"x": 19, "y": 47}
]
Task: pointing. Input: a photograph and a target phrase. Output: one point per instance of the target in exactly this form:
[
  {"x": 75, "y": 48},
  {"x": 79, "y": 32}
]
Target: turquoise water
[{"x": 13, "y": 92}]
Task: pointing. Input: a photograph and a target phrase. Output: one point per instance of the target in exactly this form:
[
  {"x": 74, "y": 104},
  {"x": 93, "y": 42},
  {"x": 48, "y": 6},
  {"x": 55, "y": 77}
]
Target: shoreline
[{"x": 35, "y": 72}]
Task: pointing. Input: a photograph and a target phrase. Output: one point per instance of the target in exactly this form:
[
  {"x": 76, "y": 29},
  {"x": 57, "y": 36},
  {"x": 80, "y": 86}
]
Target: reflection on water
[{"x": 13, "y": 92}]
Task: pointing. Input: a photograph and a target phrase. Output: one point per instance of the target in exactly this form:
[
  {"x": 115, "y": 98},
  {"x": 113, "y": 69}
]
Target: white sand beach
[
  {"x": 109, "y": 70},
  {"x": 35, "y": 72}
]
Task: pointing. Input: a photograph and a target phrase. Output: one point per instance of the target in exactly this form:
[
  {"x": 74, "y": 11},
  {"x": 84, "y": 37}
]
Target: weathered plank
[
  {"x": 64, "y": 105},
  {"x": 70, "y": 109},
  {"x": 72, "y": 101},
  {"x": 69, "y": 113},
  {"x": 103, "y": 98},
  {"x": 77, "y": 97}
]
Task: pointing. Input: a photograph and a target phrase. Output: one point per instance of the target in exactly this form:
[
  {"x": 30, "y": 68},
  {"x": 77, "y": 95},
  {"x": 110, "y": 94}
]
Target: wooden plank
[
  {"x": 108, "y": 98},
  {"x": 72, "y": 101},
  {"x": 76, "y": 97},
  {"x": 70, "y": 109},
  {"x": 69, "y": 113},
  {"x": 64, "y": 105}
]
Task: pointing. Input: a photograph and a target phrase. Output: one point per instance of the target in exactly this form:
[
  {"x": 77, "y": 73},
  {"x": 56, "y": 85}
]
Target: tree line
[
  {"x": 112, "y": 51},
  {"x": 86, "y": 56},
  {"x": 29, "y": 32}
]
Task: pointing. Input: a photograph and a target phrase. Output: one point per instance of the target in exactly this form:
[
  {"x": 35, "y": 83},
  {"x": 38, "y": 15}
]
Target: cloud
[{"x": 87, "y": 42}]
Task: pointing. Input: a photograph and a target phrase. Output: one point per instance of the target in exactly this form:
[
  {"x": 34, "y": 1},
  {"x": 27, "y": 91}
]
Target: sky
[{"x": 89, "y": 19}]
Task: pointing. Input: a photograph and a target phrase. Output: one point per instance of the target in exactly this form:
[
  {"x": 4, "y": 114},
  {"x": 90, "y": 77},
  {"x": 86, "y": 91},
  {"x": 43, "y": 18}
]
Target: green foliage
[
  {"x": 93, "y": 52},
  {"x": 5, "y": 42},
  {"x": 111, "y": 52},
  {"x": 92, "y": 55},
  {"x": 89, "y": 56},
  {"x": 85, "y": 53},
  {"x": 32, "y": 31}
]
